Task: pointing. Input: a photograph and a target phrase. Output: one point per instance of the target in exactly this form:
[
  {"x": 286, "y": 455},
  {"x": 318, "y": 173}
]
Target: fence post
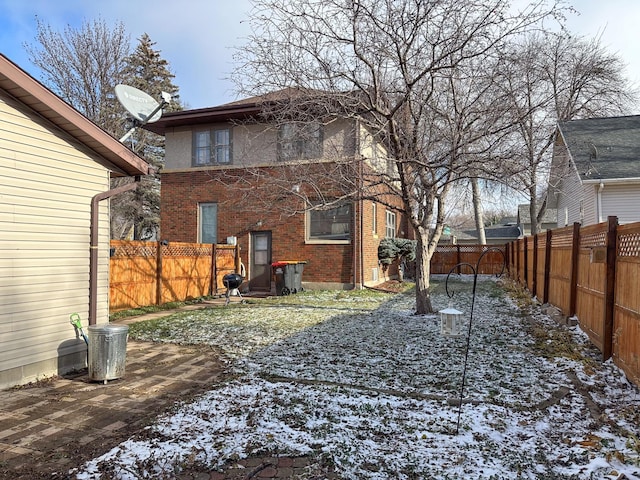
[
  {"x": 610, "y": 288},
  {"x": 158, "y": 273},
  {"x": 517, "y": 247},
  {"x": 526, "y": 263},
  {"x": 575, "y": 255},
  {"x": 507, "y": 257},
  {"x": 547, "y": 266},
  {"x": 458, "y": 258},
  {"x": 534, "y": 280},
  {"x": 238, "y": 260},
  {"x": 214, "y": 270}
]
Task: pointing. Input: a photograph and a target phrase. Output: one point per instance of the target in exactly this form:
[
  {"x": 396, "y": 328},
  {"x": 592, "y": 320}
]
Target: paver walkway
[{"x": 50, "y": 427}]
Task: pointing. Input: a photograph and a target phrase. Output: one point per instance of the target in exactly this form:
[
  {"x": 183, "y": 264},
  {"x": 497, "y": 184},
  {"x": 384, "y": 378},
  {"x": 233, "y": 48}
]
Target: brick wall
[
  {"x": 182, "y": 192},
  {"x": 327, "y": 263}
]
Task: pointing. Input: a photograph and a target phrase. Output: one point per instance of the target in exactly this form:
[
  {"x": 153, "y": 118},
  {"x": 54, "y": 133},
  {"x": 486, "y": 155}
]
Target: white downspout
[{"x": 599, "y": 201}]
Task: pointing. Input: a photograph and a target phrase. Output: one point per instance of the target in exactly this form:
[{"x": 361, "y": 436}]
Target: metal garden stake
[{"x": 474, "y": 268}]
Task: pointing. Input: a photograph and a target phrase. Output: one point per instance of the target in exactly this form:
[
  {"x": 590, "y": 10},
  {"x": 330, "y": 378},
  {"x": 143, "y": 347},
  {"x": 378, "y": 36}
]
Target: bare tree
[
  {"x": 83, "y": 66},
  {"x": 394, "y": 66},
  {"x": 550, "y": 78}
]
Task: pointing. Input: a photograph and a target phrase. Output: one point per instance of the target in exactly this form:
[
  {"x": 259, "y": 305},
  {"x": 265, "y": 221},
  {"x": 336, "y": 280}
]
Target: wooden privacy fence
[
  {"x": 153, "y": 273},
  {"x": 448, "y": 256},
  {"x": 591, "y": 273}
]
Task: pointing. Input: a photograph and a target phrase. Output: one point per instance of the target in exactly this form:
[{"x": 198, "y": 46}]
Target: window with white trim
[
  {"x": 390, "y": 225},
  {"x": 208, "y": 223},
  {"x": 331, "y": 225},
  {"x": 211, "y": 147}
]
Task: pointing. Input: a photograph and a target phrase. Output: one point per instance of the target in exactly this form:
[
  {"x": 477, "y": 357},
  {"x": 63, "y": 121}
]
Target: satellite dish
[
  {"x": 139, "y": 104},
  {"x": 142, "y": 106}
]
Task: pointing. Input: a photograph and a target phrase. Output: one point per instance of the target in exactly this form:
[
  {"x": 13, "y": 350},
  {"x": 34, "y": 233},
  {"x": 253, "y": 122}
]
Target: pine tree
[{"x": 147, "y": 71}]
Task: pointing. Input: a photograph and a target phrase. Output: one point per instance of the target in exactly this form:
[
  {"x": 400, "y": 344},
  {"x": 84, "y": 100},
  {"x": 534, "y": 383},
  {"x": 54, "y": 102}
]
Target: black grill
[{"x": 232, "y": 280}]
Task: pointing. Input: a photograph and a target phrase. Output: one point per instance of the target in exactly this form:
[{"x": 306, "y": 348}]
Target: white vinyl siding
[
  {"x": 621, "y": 201},
  {"x": 47, "y": 182},
  {"x": 569, "y": 199}
]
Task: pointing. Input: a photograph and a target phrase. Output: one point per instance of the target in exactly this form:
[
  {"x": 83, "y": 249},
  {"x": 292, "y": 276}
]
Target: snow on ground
[{"x": 374, "y": 390}]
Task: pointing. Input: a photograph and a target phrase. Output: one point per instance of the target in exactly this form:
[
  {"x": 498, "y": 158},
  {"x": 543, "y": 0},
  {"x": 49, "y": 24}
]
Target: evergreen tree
[
  {"x": 147, "y": 71},
  {"x": 83, "y": 66}
]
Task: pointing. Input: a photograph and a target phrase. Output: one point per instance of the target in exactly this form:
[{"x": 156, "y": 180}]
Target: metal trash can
[{"x": 107, "y": 351}]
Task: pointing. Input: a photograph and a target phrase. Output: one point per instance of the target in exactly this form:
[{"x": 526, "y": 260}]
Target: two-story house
[{"x": 233, "y": 174}]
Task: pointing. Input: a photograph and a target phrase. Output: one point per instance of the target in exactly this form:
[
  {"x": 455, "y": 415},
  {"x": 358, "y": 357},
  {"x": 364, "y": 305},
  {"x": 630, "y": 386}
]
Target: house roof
[
  {"x": 604, "y": 148},
  {"x": 503, "y": 231},
  {"x": 24, "y": 88},
  {"x": 238, "y": 110},
  {"x": 524, "y": 216}
]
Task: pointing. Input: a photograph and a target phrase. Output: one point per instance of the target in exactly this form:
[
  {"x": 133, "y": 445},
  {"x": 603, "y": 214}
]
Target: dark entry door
[{"x": 260, "y": 262}]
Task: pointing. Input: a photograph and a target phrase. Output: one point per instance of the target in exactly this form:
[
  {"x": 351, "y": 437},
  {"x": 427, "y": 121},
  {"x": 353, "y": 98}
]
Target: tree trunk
[
  {"x": 423, "y": 271},
  {"x": 477, "y": 211}
]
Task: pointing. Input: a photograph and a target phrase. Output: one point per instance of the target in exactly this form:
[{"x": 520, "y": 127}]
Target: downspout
[
  {"x": 599, "y": 201},
  {"x": 93, "y": 247}
]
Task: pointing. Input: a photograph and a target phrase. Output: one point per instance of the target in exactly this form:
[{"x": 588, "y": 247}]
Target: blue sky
[{"x": 197, "y": 37}]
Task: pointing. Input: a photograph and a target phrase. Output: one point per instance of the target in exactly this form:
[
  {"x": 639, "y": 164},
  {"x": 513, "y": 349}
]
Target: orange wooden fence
[
  {"x": 590, "y": 273},
  {"x": 153, "y": 273},
  {"x": 447, "y": 257}
]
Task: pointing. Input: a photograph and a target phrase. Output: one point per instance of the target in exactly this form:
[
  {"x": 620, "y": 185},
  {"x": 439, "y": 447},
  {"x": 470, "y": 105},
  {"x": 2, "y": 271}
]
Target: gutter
[
  {"x": 612, "y": 181},
  {"x": 93, "y": 244}
]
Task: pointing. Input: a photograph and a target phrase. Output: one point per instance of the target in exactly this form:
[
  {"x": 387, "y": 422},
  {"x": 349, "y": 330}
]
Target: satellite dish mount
[{"x": 142, "y": 107}]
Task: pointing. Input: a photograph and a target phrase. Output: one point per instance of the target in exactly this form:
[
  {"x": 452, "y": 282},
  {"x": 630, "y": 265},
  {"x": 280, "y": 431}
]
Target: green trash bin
[{"x": 288, "y": 276}]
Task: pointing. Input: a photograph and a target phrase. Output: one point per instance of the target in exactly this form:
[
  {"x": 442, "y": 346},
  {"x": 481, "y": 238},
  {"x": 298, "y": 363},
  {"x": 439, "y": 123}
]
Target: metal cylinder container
[{"x": 107, "y": 351}]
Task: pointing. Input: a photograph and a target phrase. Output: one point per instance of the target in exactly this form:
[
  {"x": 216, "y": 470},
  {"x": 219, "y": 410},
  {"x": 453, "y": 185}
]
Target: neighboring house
[
  {"x": 596, "y": 170},
  {"x": 549, "y": 219},
  {"x": 494, "y": 235},
  {"x": 207, "y": 148},
  {"x": 55, "y": 168}
]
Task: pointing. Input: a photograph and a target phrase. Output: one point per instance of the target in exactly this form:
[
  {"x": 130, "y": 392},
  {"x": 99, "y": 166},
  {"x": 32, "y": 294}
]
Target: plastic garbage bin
[
  {"x": 107, "y": 351},
  {"x": 288, "y": 276}
]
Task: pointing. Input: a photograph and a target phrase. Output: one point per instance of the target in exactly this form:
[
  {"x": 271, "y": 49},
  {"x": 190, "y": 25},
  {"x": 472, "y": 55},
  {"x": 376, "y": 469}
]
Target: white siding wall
[
  {"x": 622, "y": 201},
  {"x": 570, "y": 193},
  {"x": 46, "y": 185}
]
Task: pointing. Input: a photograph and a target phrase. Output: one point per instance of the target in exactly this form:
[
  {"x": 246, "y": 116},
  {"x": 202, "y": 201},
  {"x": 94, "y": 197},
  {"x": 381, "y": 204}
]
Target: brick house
[{"x": 230, "y": 175}]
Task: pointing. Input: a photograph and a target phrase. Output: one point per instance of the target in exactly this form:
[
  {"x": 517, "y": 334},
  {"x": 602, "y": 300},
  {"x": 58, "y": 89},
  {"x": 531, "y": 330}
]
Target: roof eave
[
  {"x": 202, "y": 116},
  {"x": 24, "y": 88}
]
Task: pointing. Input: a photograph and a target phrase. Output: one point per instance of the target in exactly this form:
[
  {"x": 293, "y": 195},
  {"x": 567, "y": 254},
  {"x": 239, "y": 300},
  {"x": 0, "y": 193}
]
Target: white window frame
[
  {"x": 374, "y": 219},
  {"x": 336, "y": 232},
  {"x": 207, "y": 237},
  {"x": 390, "y": 224}
]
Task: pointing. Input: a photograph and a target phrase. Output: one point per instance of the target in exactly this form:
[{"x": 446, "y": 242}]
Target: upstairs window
[
  {"x": 332, "y": 225},
  {"x": 212, "y": 147},
  {"x": 299, "y": 141}
]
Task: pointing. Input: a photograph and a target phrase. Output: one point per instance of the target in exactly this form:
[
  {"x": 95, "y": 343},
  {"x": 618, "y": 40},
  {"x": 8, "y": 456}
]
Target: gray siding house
[
  {"x": 55, "y": 171},
  {"x": 596, "y": 170}
]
